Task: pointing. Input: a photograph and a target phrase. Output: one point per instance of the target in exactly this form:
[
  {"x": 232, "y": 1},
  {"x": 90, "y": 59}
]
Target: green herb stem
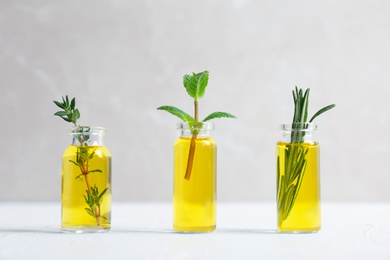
[
  {"x": 84, "y": 168},
  {"x": 195, "y": 86},
  {"x": 71, "y": 114},
  {"x": 191, "y": 152},
  {"x": 289, "y": 182},
  {"x": 191, "y": 155}
]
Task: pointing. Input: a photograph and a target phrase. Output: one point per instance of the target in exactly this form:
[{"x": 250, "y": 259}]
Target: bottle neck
[
  {"x": 87, "y": 135},
  {"x": 298, "y": 132},
  {"x": 200, "y": 129}
]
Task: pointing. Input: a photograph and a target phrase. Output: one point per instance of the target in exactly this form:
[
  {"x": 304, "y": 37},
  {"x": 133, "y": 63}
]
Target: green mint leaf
[
  {"x": 177, "y": 112},
  {"x": 218, "y": 115},
  {"x": 196, "y": 84}
]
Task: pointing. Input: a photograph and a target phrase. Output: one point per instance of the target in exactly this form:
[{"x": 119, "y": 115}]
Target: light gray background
[{"x": 123, "y": 59}]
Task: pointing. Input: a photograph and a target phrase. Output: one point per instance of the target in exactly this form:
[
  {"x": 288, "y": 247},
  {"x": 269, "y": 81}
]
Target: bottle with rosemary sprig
[
  {"x": 86, "y": 175},
  {"x": 194, "y": 195},
  {"x": 298, "y": 183}
]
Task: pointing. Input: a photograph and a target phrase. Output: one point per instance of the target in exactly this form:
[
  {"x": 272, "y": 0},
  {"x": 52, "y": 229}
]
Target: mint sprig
[{"x": 195, "y": 86}]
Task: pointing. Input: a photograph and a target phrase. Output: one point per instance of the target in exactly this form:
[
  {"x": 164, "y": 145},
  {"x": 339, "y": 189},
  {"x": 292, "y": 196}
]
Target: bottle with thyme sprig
[
  {"x": 86, "y": 175},
  {"x": 194, "y": 195},
  {"x": 298, "y": 183}
]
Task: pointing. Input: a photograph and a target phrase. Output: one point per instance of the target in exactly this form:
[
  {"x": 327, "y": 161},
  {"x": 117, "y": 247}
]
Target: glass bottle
[
  {"x": 86, "y": 182},
  {"x": 194, "y": 195},
  {"x": 298, "y": 180}
]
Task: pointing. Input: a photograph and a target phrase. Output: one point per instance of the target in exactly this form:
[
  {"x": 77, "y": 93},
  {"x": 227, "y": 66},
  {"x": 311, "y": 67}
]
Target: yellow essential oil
[
  {"x": 75, "y": 185},
  {"x": 305, "y": 213},
  {"x": 194, "y": 200}
]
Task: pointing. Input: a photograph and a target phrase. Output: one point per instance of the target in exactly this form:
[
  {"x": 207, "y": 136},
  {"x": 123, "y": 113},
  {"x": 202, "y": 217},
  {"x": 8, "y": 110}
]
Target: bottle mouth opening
[
  {"x": 195, "y": 126},
  {"x": 87, "y": 130},
  {"x": 306, "y": 127}
]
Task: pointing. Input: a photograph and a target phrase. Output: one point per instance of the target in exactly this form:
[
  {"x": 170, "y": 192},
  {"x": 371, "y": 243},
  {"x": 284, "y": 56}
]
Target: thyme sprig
[
  {"x": 195, "y": 86},
  {"x": 71, "y": 114},
  {"x": 94, "y": 200},
  {"x": 69, "y": 111},
  {"x": 295, "y": 161}
]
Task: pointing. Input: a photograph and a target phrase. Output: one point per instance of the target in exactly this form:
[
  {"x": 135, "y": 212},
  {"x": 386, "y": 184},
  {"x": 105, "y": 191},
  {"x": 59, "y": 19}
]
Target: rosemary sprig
[
  {"x": 295, "y": 162},
  {"x": 195, "y": 85},
  {"x": 71, "y": 114}
]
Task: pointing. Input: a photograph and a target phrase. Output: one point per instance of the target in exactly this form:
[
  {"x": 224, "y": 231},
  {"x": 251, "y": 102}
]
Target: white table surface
[{"x": 244, "y": 231}]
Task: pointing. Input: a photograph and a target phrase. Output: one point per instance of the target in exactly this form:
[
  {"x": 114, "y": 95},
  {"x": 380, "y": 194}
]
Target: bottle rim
[
  {"x": 90, "y": 130},
  {"x": 305, "y": 127},
  {"x": 197, "y": 126}
]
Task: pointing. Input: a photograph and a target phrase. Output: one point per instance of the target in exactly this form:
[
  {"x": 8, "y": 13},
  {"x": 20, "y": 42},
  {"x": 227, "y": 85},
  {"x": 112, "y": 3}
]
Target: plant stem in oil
[
  {"x": 81, "y": 167},
  {"x": 298, "y": 187},
  {"x": 195, "y": 201}
]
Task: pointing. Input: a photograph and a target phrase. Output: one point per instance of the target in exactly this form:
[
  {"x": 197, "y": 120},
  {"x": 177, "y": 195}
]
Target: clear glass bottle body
[
  {"x": 86, "y": 182},
  {"x": 194, "y": 198},
  {"x": 298, "y": 179}
]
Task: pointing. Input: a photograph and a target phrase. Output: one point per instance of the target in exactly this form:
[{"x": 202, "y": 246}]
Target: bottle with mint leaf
[
  {"x": 194, "y": 196},
  {"x": 86, "y": 175},
  {"x": 298, "y": 183}
]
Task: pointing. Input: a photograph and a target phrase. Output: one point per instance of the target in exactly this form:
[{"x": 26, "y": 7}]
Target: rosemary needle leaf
[
  {"x": 322, "y": 110},
  {"x": 97, "y": 170},
  {"x": 295, "y": 155}
]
